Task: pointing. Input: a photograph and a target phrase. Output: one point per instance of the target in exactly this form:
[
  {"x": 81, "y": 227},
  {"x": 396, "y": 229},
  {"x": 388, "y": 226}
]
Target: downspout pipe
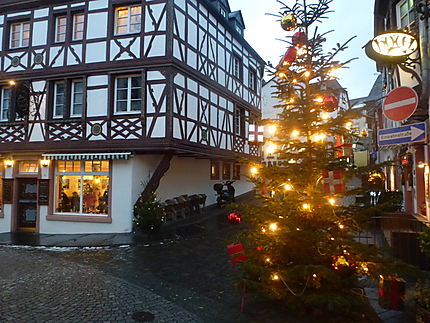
[{"x": 424, "y": 51}]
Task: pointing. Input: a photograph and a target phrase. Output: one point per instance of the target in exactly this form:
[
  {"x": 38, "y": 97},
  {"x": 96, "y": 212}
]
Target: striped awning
[{"x": 89, "y": 156}]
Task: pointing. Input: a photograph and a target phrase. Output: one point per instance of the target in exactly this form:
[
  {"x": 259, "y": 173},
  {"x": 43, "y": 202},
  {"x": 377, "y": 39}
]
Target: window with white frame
[
  {"x": 239, "y": 121},
  {"x": 77, "y": 100},
  {"x": 128, "y": 94},
  {"x": 128, "y": 20},
  {"x": 82, "y": 187},
  {"x": 5, "y": 103},
  {"x": 59, "y": 99},
  {"x": 78, "y": 26},
  {"x": 252, "y": 80},
  {"x": 405, "y": 13},
  {"x": 19, "y": 34},
  {"x": 237, "y": 67},
  {"x": 60, "y": 29}
]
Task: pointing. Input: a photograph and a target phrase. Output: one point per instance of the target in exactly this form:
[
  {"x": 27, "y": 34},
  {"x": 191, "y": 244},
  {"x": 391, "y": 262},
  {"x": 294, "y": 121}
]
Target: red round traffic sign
[{"x": 400, "y": 103}]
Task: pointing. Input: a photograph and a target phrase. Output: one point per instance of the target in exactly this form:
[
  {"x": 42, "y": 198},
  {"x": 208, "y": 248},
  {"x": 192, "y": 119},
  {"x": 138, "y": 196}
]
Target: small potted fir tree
[{"x": 148, "y": 214}]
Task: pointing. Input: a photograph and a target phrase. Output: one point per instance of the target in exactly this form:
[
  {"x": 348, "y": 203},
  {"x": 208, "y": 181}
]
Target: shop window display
[
  {"x": 82, "y": 187},
  {"x": 28, "y": 166}
]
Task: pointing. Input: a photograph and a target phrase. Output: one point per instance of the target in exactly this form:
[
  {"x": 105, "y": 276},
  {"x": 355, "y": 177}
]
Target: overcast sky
[{"x": 351, "y": 18}]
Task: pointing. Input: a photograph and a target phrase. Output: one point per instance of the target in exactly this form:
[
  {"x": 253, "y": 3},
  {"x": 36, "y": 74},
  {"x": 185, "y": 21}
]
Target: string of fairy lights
[{"x": 324, "y": 106}]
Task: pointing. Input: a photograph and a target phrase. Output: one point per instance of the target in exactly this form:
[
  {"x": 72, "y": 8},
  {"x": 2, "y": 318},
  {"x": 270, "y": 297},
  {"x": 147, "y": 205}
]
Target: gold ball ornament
[{"x": 288, "y": 22}]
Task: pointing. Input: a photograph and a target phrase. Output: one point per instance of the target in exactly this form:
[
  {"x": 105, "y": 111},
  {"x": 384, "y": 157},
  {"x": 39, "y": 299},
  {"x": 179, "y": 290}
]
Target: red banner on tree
[
  {"x": 236, "y": 250},
  {"x": 255, "y": 133},
  {"x": 334, "y": 181}
]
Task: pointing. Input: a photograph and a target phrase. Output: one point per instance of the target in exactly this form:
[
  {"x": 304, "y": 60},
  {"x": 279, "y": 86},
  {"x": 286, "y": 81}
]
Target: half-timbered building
[{"x": 101, "y": 99}]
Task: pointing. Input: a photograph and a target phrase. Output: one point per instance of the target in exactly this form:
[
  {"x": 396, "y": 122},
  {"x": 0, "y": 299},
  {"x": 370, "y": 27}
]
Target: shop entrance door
[{"x": 27, "y": 204}]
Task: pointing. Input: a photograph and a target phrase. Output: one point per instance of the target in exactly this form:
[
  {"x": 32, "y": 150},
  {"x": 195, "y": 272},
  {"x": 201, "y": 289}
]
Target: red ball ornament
[
  {"x": 330, "y": 103},
  {"x": 234, "y": 217},
  {"x": 289, "y": 56},
  {"x": 299, "y": 39},
  {"x": 288, "y": 22}
]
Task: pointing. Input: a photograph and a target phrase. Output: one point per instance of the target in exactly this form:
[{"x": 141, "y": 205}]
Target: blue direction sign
[{"x": 403, "y": 135}]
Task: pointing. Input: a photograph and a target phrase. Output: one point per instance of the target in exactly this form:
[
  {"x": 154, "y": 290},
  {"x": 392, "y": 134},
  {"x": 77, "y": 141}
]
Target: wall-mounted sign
[
  {"x": 400, "y": 103},
  {"x": 391, "y": 47}
]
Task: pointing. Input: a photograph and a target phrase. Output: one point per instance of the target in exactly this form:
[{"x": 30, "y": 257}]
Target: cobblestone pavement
[
  {"x": 186, "y": 277},
  {"x": 36, "y": 287}
]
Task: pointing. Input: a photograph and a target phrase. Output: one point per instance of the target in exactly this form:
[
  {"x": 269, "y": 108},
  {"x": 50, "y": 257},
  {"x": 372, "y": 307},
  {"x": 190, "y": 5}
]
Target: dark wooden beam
[{"x": 154, "y": 182}]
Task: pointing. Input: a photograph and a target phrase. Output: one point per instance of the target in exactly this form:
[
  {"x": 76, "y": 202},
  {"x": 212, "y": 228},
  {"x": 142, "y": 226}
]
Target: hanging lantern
[
  {"x": 330, "y": 103},
  {"x": 290, "y": 56},
  {"x": 299, "y": 39},
  {"x": 288, "y": 22}
]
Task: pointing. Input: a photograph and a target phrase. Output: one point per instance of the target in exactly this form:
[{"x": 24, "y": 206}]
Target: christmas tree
[{"x": 300, "y": 244}]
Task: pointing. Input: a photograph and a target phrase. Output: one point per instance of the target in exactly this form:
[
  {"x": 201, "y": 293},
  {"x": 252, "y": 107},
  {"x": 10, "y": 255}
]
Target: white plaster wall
[
  {"x": 143, "y": 168},
  {"x": 192, "y": 176},
  {"x": 97, "y": 25},
  {"x": 5, "y": 222},
  {"x": 121, "y": 207},
  {"x": 267, "y": 110},
  {"x": 40, "y": 33},
  {"x": 97, "y": 102},
  {"x": 96, "y": 52}
]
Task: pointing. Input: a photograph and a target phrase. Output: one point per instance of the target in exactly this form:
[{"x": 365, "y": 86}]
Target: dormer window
[
  {"x": 239, "y": 30},
  {"x": 223, "y": 12},
  {"x": 128, "y": 20},
  {"x": 20, "y": 35}
]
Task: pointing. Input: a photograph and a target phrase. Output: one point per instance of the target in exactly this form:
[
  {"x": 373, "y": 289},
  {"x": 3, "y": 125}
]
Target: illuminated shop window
[
  {"x": 29, "y": 166},
  {"x": 82, "y": 187}
]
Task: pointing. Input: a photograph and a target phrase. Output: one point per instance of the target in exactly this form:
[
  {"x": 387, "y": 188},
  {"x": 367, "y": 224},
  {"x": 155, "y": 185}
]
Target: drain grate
[{"x": 143, "y": 317}]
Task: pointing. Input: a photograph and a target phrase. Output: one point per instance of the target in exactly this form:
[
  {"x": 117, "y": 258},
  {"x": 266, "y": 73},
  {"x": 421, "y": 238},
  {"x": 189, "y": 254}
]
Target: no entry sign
[{"x": 400, "y": 103}]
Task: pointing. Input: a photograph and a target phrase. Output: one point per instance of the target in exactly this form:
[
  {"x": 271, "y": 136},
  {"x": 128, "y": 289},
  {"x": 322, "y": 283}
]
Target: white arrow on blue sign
[{"x": 403, "y": 135}]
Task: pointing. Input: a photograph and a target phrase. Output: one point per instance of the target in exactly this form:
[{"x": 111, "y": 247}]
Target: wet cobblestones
[
  {"x": 36, "y": 287},
  {"x": 184, "y": 277}
]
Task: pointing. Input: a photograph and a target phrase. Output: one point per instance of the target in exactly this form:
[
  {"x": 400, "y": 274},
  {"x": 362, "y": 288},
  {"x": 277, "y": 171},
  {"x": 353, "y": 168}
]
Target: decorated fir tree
[{"x": 300, "y": 244}]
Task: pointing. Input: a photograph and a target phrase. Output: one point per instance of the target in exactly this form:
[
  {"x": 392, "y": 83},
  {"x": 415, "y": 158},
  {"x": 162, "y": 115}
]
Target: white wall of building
[
  {"x": 6, "y": 222},
  {"x": 185, "y": 176},
  {"x": 268, "y": 102}
]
